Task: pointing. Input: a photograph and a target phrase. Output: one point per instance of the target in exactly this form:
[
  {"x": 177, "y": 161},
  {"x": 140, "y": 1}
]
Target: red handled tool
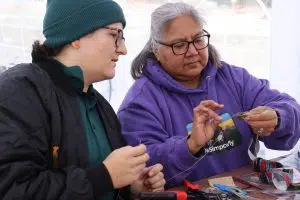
[
  {"x": 171, "y": 194},
  {"x": 192, "y": 192}
]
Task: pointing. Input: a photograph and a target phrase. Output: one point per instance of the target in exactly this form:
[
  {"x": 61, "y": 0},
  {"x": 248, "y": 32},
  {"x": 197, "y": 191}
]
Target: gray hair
[{"x": 160, "y": 18}]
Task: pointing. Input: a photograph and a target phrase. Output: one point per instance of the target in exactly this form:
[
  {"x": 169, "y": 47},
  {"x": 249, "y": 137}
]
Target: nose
[
  {"x": 122, "y": 50},
  {"x": 191, "y": 50}
]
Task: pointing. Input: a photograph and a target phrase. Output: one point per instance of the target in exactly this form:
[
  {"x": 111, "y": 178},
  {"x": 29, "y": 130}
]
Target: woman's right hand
[
  {"x": 204, "y": 124},
  {"x": 126, "y": 164}
]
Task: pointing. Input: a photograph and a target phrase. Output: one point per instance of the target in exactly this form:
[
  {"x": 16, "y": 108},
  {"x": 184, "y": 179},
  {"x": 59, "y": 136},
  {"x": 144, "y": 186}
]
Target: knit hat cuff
[{"x": 83, "y": 22}]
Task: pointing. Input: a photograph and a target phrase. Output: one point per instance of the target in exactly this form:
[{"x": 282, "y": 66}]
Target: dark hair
[
  {"x": 137, "y": 65},
  {"x": 214, "y": 56},
  {"x": 40, "y": 51},
  {"x": 160, "y": 19}
]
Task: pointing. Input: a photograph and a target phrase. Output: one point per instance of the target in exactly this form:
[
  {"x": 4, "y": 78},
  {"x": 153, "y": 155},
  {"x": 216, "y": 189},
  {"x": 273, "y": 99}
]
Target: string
[{"x": 178, "y": 174}]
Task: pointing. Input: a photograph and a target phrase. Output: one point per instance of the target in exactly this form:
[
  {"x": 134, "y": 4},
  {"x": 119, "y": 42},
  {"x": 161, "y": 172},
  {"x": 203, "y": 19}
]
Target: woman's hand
[
  {"x": 125, "y": 165},
  {"x": 262, "y": 119},
  {"x": 151, "y": 180},
  {"x": 204, "y": 124}
]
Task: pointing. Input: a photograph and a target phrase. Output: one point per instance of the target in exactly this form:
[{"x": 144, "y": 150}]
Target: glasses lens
[
  {"x": 201, "y": 42},
  {"x": 180, "y": 47}
]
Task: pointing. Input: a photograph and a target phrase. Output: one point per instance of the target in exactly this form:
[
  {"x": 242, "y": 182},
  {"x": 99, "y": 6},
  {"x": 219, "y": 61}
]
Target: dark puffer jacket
[{"x": 42, "y": 141}]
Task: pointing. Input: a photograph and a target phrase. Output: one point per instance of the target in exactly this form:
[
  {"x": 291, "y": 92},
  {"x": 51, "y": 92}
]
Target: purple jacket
[{"x": 157, "y": 110}]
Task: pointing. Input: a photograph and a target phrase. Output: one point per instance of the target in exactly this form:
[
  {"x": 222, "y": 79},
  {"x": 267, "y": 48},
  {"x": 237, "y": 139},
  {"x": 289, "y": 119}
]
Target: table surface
[{"x": 266, "y": 191}]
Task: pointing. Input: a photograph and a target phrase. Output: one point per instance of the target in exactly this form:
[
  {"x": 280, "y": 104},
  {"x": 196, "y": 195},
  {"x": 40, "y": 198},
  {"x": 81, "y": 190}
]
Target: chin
[
  {"x": 110, "y": 76},
  {"x": 104, "y": 77},
  {"x": 195, "y": 71}
]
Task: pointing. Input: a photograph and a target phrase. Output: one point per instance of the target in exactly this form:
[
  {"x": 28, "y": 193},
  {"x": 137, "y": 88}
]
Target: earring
[{"x": 76, "y": 44}]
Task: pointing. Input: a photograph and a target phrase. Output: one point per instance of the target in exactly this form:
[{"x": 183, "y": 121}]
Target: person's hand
[
  {"x": 204, "y": 124},
  {"x": 150, "y": 180},
  {"x": 126, "y": 164},
  {"x": 262, "y": 119}
]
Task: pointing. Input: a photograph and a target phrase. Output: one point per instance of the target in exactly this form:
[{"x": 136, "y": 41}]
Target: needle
[{"x": 240, "y": 115}]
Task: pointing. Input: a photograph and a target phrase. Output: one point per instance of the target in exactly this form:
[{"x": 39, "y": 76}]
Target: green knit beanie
[{"x": 67, "y": 20}]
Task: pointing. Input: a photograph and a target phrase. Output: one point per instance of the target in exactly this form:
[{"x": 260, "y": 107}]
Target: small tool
[
  {"x": 192, "y": 192},
  {"x": 240, "y": 115},
  {"x": 233, "y": 190}
]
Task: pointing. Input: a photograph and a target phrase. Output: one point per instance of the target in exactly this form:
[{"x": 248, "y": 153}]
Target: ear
[
  {"x": 76, "y": 44},
  {"x": 156, "y": 53}
]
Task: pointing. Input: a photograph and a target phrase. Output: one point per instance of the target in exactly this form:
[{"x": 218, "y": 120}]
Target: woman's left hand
[
  {"x": 262, "y": 119},
  {"x": 151, "y": 180}
]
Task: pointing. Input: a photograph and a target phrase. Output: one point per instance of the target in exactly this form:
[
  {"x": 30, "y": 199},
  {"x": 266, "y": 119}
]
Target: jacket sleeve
[
  {"x": 25, "y": 159},
  {"x": 143, "y": 123},
  {"x": 257, "y": 92}
]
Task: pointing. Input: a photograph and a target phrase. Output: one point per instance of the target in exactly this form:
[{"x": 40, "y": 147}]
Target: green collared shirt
[{"x": 98, "y": 145}]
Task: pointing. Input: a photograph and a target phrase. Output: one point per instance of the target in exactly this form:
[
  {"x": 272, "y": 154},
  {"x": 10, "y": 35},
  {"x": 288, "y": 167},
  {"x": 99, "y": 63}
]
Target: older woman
[
  {"x": 183, "y": 91},
  {"x": 60, "y": 139}
]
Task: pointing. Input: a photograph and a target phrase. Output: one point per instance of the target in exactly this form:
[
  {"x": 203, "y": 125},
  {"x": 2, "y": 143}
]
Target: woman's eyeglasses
[
  {"x": 119, "y": 37},
  {"x": 180, "y": 48}
]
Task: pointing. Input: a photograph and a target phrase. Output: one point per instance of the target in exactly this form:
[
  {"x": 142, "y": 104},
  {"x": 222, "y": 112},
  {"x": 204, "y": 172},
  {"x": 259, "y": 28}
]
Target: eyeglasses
[
  {"x": 119, "y": 37},
  {"x": 180, "y": 48}
]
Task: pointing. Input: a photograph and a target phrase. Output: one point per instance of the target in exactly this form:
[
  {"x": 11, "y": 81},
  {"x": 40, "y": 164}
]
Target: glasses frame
[
  {"x": 120, "y": 35},
  {"x": 206, "y": 34}
]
